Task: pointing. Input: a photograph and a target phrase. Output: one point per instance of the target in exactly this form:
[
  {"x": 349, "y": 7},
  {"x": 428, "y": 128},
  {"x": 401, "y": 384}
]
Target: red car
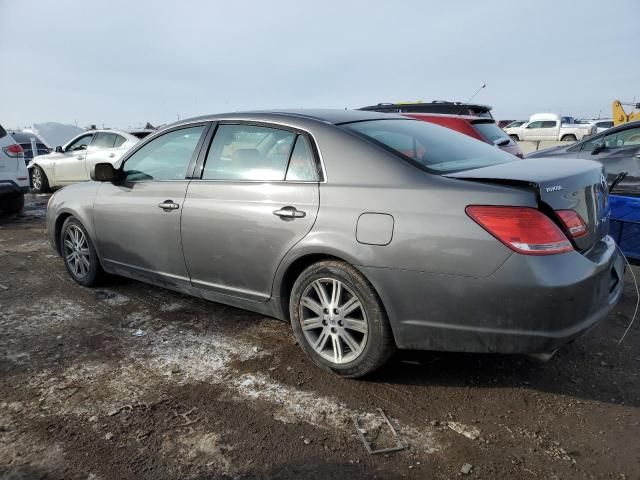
[{"x": 480, "y": 128}]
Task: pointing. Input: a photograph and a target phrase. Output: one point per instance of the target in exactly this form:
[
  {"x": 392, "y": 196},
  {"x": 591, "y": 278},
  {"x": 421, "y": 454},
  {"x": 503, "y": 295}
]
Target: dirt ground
[{"x": 130, "y": 381}]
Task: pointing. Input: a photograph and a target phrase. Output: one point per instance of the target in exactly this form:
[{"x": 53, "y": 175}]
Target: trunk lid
[{"x": 561, "y": 184}]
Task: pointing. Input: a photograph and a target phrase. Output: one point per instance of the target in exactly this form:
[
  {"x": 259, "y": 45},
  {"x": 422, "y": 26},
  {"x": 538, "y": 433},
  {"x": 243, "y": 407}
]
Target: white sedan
[{"x": 72, "y": 162}]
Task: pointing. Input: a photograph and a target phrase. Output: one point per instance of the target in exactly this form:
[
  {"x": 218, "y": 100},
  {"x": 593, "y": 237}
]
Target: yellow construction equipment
[{"x": 620, "y": 116}]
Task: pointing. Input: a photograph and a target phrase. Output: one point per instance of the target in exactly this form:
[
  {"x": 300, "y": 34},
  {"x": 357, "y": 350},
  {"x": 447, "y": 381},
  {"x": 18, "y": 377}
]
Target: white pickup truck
[{"x": 550, "y": 126}]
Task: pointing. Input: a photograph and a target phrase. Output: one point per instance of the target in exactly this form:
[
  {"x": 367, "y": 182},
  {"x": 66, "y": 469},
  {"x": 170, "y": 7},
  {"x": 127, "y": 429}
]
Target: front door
[
  {"x": 137, "y": 219},
  {"x": 619, "y": 152},
  {"x": 258, "y": 196},
  {"x": 70, "y": 166}
]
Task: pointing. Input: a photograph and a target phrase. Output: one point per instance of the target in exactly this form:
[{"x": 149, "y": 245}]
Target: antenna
[{"x": 472, "y": 97}]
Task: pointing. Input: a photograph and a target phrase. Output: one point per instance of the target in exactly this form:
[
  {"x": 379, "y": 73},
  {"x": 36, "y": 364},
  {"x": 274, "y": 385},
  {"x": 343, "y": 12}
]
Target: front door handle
[
  {"x": 289, "y": 212},
  {"x": 111, "y": 155},
  {"x": 168, "y": 205}
]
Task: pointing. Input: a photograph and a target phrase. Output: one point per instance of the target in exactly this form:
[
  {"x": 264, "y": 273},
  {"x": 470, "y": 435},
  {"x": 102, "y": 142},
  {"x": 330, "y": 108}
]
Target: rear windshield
[
  {"x": 492, "y": 133},
  {"x": 435, "y": 148}
]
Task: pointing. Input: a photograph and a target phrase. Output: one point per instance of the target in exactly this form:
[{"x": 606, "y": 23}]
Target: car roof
[
  {"x": 24, "y": 136},
  {"x": 327, "y": 116}
]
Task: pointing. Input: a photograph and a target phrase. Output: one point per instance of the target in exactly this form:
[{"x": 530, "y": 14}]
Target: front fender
[{"x": 77, "y": 201}]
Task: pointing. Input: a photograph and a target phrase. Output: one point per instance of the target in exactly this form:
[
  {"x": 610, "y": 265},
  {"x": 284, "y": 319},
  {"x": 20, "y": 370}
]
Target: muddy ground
[{"x": 213, "y": 392}]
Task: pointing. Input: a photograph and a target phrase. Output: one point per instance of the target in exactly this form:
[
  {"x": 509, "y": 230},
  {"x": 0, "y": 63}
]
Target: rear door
[
  {"x": 69, "y": 166},
  {"x": 621, "y": 153},
  {"x": 258, "y": 195},
  {"x": 549, "y": 130},
  {"x": 104, "y": 149}
]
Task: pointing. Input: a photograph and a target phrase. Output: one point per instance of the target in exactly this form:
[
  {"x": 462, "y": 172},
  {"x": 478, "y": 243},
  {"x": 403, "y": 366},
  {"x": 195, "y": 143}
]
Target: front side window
[
  {"x": 104, "y": 140},
  {"x": 248, "y": 152},
  {"x": 166, "y": 157},
  {"x": 534, "y": 125},
  {"x": 624, "y": 138},
  {"x": 433, "y": 147},
  {"x": 81, "y": 143},
  {"x": 302, "y": 167}
]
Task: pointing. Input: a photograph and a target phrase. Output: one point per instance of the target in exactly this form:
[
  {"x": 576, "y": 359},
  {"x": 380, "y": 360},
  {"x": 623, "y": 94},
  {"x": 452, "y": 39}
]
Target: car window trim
[
  {"x": 194, "y": 156},
  {"x": 315, "y": 151}
]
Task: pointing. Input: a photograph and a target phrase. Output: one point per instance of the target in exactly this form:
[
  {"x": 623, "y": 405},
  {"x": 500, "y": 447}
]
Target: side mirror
[
  {"x": 103, "y": 172},
  {"x": 59, "y": 149},
  {"x": 597, "y": 148}
]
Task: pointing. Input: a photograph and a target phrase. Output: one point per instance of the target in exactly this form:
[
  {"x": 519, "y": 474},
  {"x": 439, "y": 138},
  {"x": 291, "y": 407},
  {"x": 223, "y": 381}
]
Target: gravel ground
[{"x": 132, "y": 381}]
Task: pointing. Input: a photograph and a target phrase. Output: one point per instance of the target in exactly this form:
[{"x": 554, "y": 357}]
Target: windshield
[
  {"x": 431, "y": 146},
  {"x": 492, "y": 133}
]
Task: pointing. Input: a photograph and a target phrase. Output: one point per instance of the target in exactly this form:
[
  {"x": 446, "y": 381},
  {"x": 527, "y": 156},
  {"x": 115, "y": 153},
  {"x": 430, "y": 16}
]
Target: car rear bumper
[
  {"x": 529, "y": 305},
  {"x": 8, "y": 187}
]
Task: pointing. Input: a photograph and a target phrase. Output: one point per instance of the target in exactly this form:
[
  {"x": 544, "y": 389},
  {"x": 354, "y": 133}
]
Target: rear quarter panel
[{"x": 432, "y": 232}]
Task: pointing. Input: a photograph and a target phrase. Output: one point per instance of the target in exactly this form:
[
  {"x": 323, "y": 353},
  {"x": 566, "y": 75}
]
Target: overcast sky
[{"x": 120, "y": 63}]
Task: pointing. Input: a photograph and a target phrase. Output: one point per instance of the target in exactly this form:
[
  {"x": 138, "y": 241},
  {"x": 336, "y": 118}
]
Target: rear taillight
[
  {"x": 14, "y": 151},
  {"x": 574, "y": 223},
  {"x": 524, "y": 230}
]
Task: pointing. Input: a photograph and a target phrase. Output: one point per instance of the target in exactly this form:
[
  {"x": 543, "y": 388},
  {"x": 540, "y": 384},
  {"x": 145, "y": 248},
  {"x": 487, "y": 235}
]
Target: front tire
[
  {"x": 39, "y": 180},
  {"x": 339, "y": 321},
  {"x": 13, "y": 204},
  {"x": 79, "y": 254}
]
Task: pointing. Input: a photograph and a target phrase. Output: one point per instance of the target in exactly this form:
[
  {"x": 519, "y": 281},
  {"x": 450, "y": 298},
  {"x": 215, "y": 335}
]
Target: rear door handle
[
  {"x": 168, "y": 205},
  {"x": 289, "y": 212}
]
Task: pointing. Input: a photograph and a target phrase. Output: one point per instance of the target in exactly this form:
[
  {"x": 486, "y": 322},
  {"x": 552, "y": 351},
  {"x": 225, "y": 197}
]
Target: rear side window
[
  {"x": 492, "y": 133},
  {"x": 302, "y": 167},
  {"x": 104, "y": 140},
  {"x": 119, "y": 141},
  {"x": 248, "y": 152},
  {"x": 434, "y": 148},
  {"x": 548, "y": 124},
  {"x": 166, "y": 157}
]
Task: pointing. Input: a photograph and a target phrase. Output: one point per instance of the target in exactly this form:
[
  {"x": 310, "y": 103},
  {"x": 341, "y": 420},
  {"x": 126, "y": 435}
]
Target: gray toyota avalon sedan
[{"x": 367, "y": 231}]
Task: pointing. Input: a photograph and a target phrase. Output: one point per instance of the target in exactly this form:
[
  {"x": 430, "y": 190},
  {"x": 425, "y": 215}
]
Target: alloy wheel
[
  {"x": 36, "y": 178},
  {"x": 333, "y": 320},
  {"x": 76, "y": 251}
]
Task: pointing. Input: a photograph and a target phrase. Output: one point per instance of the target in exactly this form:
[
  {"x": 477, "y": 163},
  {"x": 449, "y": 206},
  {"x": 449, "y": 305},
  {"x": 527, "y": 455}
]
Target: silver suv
[{"x": 14, "y": 178}]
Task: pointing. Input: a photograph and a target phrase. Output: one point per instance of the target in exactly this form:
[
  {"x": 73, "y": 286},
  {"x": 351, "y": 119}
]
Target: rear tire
[
  {"x": 339, "y": 321},
  {"x": 39, "y": 180},
  {"x": 13, "y": 204},
  {"x": 514, "y": 138},
  {"x": 79, "y": 254},
  {"x": 568, "y": 138}
]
